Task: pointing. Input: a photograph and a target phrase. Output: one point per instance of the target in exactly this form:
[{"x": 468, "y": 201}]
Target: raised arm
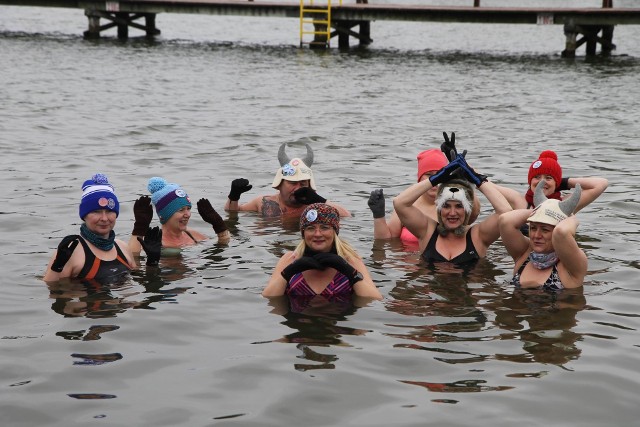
[
  {"x": 572, "y": 257},
  {"x": 512, "y": 238},
  {"x": 239, "y": 186},
  {"x": 381, "y": 228},
  {"x": 592, "y": 188},
  {"x": 488, "y": 230},
  {"x": 515, "y": 199},
  {"x": 410, "y": 216}
]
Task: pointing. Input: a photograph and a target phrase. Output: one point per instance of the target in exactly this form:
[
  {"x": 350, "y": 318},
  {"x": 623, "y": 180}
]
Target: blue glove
[
  {"x": 470, "y": 174},
  {"x": 447, "y": 173}
]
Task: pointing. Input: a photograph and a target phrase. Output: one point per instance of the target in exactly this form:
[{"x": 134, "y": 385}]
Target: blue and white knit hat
[
  {"x": 98, "y": 194},
  {"x": 168, "y": 198}
]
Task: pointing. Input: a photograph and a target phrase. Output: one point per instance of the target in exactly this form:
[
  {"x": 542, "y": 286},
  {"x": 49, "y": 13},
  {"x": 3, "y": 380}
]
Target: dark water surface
[{"x": 212, "y": 100}]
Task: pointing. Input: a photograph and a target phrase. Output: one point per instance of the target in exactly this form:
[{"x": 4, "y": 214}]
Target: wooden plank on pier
[{"x": 361, "y": 12}]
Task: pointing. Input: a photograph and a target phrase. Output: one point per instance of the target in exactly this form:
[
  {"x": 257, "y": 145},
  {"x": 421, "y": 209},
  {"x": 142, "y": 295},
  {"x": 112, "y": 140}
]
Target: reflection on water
[
  {"x": 543, "y": 322},
  {"x": 315, "y": 321},
  {"x": 140, "y": 289}
]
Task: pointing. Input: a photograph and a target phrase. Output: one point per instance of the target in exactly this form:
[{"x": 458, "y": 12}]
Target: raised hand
[
  {"x": 143, "y": 214},
  {"x": 307, "y": 196},
  {"x": 209, "y": 214},
  {"x": 239, "y": 186},
  {"x": 65, "y": 250},
  {"x": 376, "y": 203},
  {"x": 329, "y": 259},
  {"x": 469, "y": 173},
  {"x": 447, "y": 173},
  {"x": 298, "y": 266},
  {"x": 448, "y": 147},
  {"x": 152, "y": 245}
]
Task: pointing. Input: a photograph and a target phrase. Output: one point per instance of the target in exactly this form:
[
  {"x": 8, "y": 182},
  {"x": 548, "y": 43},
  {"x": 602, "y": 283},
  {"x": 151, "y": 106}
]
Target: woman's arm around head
[
  {"x": 488, "y": 229},
  {"x": 416, "y": 221},
  {"x": 569, "y": 253},
  {"x": 514, "y": 241},
  {"x": 592, "y": 188}
]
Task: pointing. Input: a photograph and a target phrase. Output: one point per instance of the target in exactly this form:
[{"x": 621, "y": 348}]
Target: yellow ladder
[{"x": 318, "y": 16}]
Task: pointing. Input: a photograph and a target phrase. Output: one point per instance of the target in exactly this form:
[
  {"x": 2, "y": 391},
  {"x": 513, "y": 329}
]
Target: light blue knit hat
[{"x": 168, "y": 198}]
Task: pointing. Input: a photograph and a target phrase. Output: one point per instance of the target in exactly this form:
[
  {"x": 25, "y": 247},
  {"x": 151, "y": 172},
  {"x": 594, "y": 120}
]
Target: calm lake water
[{"x": 211, "y": 100}]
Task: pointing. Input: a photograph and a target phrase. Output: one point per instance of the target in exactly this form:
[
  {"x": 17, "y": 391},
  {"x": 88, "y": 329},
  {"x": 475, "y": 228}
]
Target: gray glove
[{"x": 376, "y": 203}]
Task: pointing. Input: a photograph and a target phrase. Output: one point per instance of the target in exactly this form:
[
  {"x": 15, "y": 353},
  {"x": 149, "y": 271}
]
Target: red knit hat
[
  {"x": 431, "y": 160},
  {"x": 546, "y": 164}
]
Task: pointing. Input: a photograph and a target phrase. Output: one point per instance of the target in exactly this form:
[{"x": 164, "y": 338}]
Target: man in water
[{"x": 296, "y": 189}]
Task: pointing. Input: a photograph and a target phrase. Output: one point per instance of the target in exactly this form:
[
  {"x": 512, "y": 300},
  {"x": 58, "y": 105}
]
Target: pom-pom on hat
[
  {"x": 546, "y": 164},
  {"x": 320, "y": 213},
  {"x": 98, "y": 194},
  {"x": 295, "y": 170},
  {"x": 168, "y": 198},
  {"x": 431, "y": 160}
]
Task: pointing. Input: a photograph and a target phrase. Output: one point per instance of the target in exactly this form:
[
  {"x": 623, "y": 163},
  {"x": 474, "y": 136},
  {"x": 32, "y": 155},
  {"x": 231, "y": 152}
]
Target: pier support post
[
  {"x": 571, "y": 35},
  {"x": 121, "y": 20},
  {"x": 123, "y": 28},
  {"x": 589, "y": 37},
  {"x": 344, "y": 30},
  {"x": 607, "y": 37}
]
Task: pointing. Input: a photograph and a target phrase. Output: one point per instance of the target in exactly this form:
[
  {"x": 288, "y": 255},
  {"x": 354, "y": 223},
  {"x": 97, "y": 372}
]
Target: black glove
[
  {"x": 448, "y": 147},
  {"x": 152, "y": 245},
  {"x": 329, "y": 259},
  {"x": 298, "y": 266},
  {"x": 376, "y": 203},
  {"x": 445, "y": 174},
  {"x": 65, "y": 250},
  {"x": 210, "y": 215},
  {"x": 239, "y": 186},
  {"x": 143, "y": 214},
  {"x": 307, "y": 196},
  {"x": 470, "y": 174}
]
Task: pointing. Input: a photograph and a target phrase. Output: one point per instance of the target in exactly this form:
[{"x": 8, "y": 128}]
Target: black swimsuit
[
  {"x": 98, "y": 269},
  {"x": 468, "y": 256}
]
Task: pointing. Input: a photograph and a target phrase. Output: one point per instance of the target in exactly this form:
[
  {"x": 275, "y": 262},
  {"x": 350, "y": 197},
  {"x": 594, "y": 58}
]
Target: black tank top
[
  {"x": 97, "y": 269},
  {"x": 468, "y": 256}
]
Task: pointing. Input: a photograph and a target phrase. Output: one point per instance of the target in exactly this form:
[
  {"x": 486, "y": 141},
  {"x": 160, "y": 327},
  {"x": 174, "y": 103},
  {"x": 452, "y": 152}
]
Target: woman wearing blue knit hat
[
  {"x": 101, "y": 256},
  {"x": 173, "y": 207}
]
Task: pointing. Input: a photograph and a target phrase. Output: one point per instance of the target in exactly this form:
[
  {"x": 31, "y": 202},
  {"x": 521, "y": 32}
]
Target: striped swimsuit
[{"x": 339, "y": 285}]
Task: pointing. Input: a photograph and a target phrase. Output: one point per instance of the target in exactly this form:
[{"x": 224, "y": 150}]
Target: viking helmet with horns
[
  {"x": 552, "y": 211},
  {"x": 296, "y": 169}
]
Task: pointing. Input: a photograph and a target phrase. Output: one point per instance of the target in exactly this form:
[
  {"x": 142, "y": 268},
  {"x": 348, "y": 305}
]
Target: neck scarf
[
  {"x": 543, "y": 261},
  {"x": 97, "y": 241},
  {"x": 529, "y": 197}
]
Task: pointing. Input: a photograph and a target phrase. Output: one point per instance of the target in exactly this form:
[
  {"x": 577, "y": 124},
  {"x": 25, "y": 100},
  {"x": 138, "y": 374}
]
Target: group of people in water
[{"x": 438, "y": 214}]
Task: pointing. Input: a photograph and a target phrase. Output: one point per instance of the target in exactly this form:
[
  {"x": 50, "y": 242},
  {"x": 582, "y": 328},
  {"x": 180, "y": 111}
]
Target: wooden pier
[{"x": 588, "y": 26}]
